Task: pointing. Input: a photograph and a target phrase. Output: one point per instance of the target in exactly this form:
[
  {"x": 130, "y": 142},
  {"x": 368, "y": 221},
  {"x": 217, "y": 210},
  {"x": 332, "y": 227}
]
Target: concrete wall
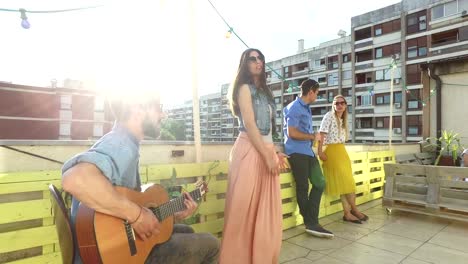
[
  {"x": 150, "y": 153},
  {"x": 454, "y": 97},
  {"x": 376, "y": 15}
]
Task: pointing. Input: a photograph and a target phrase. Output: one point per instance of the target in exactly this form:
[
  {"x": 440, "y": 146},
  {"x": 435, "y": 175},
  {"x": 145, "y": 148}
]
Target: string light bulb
[
  {"x": 24, "y": 19},
  {"x": 423, "y": 104},
  {"x": 229, "y": 33}
]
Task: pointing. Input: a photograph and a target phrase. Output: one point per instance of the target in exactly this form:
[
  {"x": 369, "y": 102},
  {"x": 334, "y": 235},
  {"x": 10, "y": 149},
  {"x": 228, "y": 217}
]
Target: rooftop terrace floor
[{"x": 396, "y": 238}]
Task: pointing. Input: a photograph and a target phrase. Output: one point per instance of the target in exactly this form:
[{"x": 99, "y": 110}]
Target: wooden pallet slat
[
  {"x": 26, "y": 210},
  {"x": 27, "y": 238}
]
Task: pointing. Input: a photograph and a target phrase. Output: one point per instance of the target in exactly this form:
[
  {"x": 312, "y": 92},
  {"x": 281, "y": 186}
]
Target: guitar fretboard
[{"x": 173, "y": 206}]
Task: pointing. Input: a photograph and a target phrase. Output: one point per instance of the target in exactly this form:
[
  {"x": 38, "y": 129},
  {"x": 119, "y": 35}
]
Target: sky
[{"x": 161, "y": 44}]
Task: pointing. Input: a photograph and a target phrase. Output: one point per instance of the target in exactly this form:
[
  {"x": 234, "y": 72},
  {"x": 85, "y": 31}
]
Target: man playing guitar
[{"x": 90, "y": 177}]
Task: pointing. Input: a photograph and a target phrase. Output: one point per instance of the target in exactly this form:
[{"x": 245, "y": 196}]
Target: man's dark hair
[{"x": 307, "y": 85}]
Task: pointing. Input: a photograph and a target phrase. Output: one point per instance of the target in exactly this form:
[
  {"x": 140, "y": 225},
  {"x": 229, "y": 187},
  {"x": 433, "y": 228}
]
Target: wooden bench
[
  {"x": 423, "y": 158},
  {"x": 431, "y": 190}
]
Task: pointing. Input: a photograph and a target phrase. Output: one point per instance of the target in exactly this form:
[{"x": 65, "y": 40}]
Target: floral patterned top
[{"x": 330, "y": 127}]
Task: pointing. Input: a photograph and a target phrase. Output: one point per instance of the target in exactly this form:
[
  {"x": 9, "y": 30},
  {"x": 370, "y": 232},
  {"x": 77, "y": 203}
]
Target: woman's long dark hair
[{"x": 245, "y": 77}]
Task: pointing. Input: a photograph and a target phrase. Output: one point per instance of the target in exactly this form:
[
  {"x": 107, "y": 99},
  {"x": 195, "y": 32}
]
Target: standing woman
[
  {"x": 252, "y": 217},
  {"x": 336, "y": 163}
]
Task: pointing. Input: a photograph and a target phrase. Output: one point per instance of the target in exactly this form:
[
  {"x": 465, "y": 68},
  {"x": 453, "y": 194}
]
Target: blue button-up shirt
[
  {"x": 297, "y": 114},
  {"x": 116, "y": 155}
]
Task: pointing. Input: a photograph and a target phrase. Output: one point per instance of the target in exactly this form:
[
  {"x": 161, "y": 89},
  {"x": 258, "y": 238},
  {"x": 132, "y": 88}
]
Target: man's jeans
[
  {"x": 305, "y": 168},
  {"x": 185, "y": 246}
]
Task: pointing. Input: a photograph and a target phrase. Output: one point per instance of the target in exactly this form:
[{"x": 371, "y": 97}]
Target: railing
[{"x": 28, "y": 234}]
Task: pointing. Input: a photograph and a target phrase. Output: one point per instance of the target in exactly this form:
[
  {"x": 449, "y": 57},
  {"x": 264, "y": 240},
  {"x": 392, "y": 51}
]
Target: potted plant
[{"x": 450, "y": 148}]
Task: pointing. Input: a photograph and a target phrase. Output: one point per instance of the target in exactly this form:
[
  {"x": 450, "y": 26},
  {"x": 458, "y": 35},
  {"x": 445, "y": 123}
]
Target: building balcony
[{"x": 305, "y": 71}]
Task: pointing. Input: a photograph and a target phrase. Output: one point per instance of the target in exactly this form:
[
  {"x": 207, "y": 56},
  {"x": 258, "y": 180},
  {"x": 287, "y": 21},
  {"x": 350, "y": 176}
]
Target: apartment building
[
  {"x": 39, "y": 113},
  {"x": 329, "y": 64},
  {"x": 216, "y": 122},
  {"x": 418, "y": 33}
]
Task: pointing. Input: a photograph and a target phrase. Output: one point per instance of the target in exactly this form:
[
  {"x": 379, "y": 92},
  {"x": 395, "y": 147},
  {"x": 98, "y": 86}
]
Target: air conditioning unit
[
  {"x": 398, "y": 105},
  {"x": 397, "y": 130},
  {"x": 396, "y": 81}
]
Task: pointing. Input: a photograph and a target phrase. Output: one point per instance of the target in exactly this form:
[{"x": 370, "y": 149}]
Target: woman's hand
[
  {"x": 323, "y": 156},
  {"x": 272, "y": 164},
  {"x": 282, "y": 160}
]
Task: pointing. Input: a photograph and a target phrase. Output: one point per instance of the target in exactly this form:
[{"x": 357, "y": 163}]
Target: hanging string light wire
[
  {"x": 232, "y": 31},
  {"x": 24, "y": 18}
]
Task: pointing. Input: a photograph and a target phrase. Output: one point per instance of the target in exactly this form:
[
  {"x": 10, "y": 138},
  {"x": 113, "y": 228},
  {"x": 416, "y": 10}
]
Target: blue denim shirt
[
  {"x": 260, "y": 102},
  {"x": 116, "y": 155},
  {"x": 297, "y": 114}
]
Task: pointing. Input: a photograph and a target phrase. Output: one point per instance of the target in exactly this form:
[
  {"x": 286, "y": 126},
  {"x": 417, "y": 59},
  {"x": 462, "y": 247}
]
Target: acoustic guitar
[{"x": 106, "y": 239}]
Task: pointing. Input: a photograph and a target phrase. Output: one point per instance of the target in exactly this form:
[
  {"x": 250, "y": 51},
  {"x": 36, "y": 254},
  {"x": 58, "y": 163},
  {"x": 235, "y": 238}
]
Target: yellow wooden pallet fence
[{"x": 27, "y": 230}]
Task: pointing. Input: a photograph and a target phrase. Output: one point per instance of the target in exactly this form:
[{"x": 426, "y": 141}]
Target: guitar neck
[{"x": 173, "y": 206}]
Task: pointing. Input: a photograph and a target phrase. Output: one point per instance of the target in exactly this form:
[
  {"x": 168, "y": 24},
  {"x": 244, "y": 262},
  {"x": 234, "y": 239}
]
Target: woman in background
[{"x": 336, "y": 163}]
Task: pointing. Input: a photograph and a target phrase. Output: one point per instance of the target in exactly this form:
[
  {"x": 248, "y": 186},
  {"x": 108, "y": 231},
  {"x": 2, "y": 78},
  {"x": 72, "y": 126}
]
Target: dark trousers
[
  {"x": 185, "y": 246},
  {"x": 305, "y": 168}
]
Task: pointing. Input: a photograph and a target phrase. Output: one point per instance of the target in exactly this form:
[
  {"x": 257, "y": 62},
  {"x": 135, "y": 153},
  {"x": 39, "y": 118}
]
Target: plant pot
[{"x": 446, "y": 161}]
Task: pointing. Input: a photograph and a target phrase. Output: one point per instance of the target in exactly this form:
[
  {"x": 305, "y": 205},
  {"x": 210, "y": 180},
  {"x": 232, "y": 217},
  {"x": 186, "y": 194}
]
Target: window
[
  {"x": 346, "y": 75},
  {"x": 364, "y": 100},
  {"x": 416, "y": 22},
  {"x": 422, "y": 23},
  {"x": 333, "y": 79},
  {"x": 448, "y": 9},
  {"x": 321, "y": 79},
  {"x": 382, "y": 99},
  {"x": 388, "y": 51},
  {"x": 413, "y": 104},
  {"x": 277, "y": 100},
  {"x": 365, "y": 122},
  {"x": 387, "y": 27},
  {"x": 65, "y": 115},
  {"x": 384, "y": 122},
  {"x": 378, "y": 31},
  {"x": 97, "y": 130},
  {"x": 413, "y": 74},
  {"x": 333, "y": 62},
  {"x": 462, "y": 5},
  {"x": 364, "y": 55},
  {"x": 385, "y": 75},
  {"x": 364, "y": 77},
  {"x": 362, "y": 33},
  {"x": 414, "y": 125},
  {"x": 330, "y": 97},
  {"x": 346, "y": 92},
  {"x": 397, "y": 97},
  {"x": 65, "y": 128},
  {"x": 65, "y": 101},
  {"x": 417, "y": 47},
  {"x": 437, "y": 12},
  {"x": 317, "y": 63},
  {"x": 446, "y": 37},
  {"x": 378, "y": 53},
  {"x": 346, "y": 58},
  {"x": 99, "y": 103}
]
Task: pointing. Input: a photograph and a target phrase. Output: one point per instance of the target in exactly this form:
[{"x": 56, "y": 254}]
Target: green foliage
[
  {"x": 172, "y": 130},
  {"x": 449, "y": 145}
]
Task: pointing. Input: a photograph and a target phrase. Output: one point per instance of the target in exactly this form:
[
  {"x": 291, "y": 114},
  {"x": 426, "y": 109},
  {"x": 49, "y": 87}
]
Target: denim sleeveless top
[{"x": 264, "y": 117}]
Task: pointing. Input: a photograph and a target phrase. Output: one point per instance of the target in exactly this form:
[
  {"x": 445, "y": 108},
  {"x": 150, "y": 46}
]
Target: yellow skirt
[{"x": 337, "y": 171}]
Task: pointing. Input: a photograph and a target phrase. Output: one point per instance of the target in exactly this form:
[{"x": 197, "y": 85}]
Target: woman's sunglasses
[
  {"x": 340, "y": 103},
  {"x": 255, "y": 58}
]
